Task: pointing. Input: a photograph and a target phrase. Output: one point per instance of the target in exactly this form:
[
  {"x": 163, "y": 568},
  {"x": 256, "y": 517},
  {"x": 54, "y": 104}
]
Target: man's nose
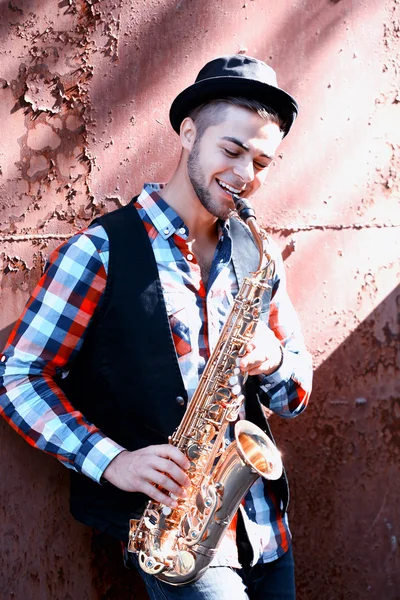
[{"x": 245, "y": 170}]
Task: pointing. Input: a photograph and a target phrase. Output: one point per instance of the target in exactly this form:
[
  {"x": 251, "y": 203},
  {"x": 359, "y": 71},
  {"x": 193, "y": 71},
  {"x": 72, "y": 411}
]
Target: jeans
[{"x": 269, "y": 581}]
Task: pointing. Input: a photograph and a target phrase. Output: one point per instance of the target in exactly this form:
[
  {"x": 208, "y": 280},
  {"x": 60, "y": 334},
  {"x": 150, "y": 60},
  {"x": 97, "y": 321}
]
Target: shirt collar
[{"x": 165, "y": 220}]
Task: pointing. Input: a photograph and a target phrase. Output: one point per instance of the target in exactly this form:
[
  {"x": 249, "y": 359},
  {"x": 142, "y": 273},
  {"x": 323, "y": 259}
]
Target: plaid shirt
[{"x": 51, "y": 330}]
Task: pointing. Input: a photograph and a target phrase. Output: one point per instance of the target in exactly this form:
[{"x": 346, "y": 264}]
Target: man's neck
[{"x": 179, "y": 194}]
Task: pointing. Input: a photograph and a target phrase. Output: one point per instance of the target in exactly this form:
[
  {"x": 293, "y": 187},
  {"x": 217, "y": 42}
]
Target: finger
[
  {"x": 172, "y": 453},
  {"x": 251, "y": 361},
  {"x": 263, "y": 368},
  {"x": 168, "y": 484},
  {"x": 156, "y": 494},
  {"x": 163, "y": 465},
  {"x": 258, "y": 370},
  {"x": 250, "y": 347}
]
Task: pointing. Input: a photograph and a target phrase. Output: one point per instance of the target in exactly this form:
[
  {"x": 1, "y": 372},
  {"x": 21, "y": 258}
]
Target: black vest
[{"x": 126, "y": 379}]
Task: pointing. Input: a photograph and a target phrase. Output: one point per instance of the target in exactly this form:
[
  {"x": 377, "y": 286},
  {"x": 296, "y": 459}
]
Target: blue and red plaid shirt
[{"x": 51, "y": 330}]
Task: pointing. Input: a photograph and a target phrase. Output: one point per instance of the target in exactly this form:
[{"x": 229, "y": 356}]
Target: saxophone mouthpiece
[{"x": 243, "y": 208}]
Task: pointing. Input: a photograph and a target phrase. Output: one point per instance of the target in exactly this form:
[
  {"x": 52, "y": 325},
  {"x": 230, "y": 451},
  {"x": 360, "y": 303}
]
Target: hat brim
[{"x": 220, "y": 87}]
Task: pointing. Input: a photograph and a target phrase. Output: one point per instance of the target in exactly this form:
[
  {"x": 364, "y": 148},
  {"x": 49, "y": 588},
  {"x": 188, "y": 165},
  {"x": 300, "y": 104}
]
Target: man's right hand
[{"x": 145, "y": 469}]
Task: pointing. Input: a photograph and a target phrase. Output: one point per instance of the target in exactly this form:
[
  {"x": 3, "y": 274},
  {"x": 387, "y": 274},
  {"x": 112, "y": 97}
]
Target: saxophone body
[{"x": 176, "y": 545}]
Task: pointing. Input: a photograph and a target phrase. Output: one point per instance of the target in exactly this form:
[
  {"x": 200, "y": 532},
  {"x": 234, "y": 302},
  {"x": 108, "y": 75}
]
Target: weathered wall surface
[{"x": 85, "y": 88}]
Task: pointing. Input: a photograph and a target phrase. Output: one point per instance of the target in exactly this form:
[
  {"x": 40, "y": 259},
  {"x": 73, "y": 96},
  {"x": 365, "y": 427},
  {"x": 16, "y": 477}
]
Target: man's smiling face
[{"x": 232, "y": 156}]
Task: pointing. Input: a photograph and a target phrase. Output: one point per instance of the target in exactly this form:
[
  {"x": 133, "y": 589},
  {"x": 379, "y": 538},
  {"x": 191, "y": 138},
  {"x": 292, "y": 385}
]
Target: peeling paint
[
  {"x": 12, "y": 264},
  {"x": 44, "y": 92},
  {"x": 37, "y": 164},
  {"x": 41, "y": 137}
]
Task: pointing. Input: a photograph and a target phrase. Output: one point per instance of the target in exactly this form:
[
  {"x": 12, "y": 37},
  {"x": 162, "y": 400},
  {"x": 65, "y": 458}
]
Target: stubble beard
[{"x": 197, "y": 179}]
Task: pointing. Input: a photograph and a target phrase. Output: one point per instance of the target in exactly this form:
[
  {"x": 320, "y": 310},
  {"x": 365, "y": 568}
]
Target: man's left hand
[{"x": 263, "y": 352}]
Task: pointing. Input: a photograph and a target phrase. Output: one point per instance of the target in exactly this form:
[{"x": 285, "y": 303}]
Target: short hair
[{"x": 213, "y": 112}]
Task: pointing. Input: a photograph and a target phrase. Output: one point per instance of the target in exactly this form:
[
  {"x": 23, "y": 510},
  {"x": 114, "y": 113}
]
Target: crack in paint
[
  {"x": 285, "y": 231},
  {"x": 29, "y": 237}
]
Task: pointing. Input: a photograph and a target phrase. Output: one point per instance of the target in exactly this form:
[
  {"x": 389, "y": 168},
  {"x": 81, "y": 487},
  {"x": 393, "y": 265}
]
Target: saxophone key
[
  {"x": 219, "y": 488},
  {"x": 149, "y": 564},
  {"x": 241, "y": 351},
  {"x": 214, "y": 413},
  {"x": 233, "y": 380},
  {"x": 222, "y": 395},
  {"x": 193, "y": 452},
  {"x": 192, "y": 467},
  {"x": 248, "y": 317},
  {"x": 184, "y": 562},
  {"x": 232, "y": 371},
  {"x": 196, "y": 435},
  {"x": 151, "y": 520}
]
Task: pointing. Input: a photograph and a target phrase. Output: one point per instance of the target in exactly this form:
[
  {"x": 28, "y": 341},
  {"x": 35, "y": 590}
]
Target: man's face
[{"x": 233, "y": 156}]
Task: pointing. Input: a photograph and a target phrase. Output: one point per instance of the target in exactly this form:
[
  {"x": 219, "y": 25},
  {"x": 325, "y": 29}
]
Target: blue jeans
[{"x": 270, "y": 581}]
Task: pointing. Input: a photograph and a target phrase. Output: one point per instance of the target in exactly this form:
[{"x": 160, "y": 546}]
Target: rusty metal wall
[{"x": 85, "y": 88}]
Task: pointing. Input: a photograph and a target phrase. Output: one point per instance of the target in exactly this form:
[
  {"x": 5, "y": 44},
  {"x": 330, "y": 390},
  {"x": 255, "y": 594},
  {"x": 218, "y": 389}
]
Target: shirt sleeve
[
  {"x": 287, "y": 390},
  {"x": 44, "y": 342}
]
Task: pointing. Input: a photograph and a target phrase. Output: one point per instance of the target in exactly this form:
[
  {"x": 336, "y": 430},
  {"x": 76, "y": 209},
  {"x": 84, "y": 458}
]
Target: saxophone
[{"x": 176, "y": 545}]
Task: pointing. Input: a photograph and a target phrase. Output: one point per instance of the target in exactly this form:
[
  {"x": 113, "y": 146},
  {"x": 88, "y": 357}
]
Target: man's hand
[
  {"x": 145, "y": 469},
  {"x": 263, "y": 352}
]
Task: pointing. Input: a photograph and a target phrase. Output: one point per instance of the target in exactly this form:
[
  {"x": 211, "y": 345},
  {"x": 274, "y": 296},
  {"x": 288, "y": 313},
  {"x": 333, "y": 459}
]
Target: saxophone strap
[
  {"x": 245, "y": 259},
  {"x": 255, "y": 414}
]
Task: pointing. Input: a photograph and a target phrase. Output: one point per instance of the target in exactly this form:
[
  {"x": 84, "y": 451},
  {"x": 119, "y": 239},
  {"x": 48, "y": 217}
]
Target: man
[{"x": 108, "y": 352}]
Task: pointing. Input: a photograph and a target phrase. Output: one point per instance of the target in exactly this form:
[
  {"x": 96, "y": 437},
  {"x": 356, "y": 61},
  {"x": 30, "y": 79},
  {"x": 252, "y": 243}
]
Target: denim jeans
[{"x": 269, "y": 581}]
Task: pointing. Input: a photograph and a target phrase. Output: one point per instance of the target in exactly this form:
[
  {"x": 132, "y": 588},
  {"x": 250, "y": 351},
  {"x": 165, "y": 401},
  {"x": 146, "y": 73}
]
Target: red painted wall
[{"x": 85, "y": 89}]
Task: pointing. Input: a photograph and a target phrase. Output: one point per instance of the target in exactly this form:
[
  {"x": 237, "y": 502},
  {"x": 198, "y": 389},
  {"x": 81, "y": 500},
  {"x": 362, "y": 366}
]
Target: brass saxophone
[{"x": 177, "y": 545}]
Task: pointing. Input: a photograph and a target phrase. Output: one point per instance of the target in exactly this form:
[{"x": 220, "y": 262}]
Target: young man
[{"x": 109, "y": 349}]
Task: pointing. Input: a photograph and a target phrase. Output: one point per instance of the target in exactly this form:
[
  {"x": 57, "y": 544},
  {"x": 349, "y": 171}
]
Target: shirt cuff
[{"x": 95, "y": 455}]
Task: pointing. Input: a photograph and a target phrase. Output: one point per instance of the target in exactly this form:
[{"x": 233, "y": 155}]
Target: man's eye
[
  {"x": 231, "y": 153},
  {"x": 260, "y": 166}
]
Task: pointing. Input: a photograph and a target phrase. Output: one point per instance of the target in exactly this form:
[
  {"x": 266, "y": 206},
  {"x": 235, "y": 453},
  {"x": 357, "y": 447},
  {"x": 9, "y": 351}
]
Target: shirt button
[
  {"x": 182, "y": 230},
  {"x": 190, "y": 257},
  {"x": 166, "y": 230},
  {"x": 180, "y": 401},
  {"x": 3, "y": 358}
]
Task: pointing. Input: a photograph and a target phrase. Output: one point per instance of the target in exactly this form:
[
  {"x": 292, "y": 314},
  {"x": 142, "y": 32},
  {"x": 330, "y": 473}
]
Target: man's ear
[{"x": 187, "y": 133}]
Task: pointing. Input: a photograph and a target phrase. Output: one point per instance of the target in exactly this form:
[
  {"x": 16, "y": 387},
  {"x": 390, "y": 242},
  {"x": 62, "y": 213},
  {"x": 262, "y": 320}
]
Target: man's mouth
[{"x": 229, "y": 188}]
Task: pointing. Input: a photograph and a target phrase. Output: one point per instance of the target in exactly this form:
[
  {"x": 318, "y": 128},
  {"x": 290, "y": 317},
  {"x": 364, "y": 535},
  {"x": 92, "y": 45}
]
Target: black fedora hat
[{"x": 237, "y": 75}]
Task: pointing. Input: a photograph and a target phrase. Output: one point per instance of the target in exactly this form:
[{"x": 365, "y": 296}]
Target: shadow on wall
[{"x": 342, "y": 457}]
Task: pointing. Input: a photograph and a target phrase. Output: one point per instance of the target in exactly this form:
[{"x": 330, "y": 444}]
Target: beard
[{"x": 198, "y": 181}]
